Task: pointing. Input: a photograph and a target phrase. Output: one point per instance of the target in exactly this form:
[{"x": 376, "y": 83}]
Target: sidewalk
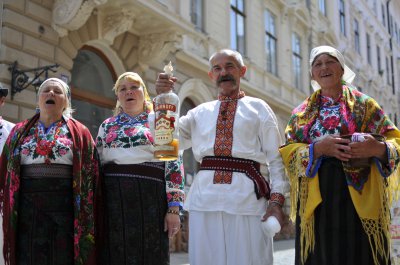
[{"x": 283, "y": 254}]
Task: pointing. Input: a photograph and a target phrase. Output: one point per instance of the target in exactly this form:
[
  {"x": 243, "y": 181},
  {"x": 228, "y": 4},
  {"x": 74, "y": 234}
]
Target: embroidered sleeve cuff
[
  {"x": 172, "y": 204},
  {"x": 313, "y": 166},
  {"x": 389, "y": 167},
  {"x": 277, "y": 198}
]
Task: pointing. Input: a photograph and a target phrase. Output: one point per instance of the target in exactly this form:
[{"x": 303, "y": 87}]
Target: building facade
[{"x": 94, "y": 41}]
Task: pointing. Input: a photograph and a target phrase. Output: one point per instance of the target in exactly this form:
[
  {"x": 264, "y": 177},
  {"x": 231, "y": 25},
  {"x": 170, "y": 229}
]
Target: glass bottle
[{"x": 166, "y": 138}]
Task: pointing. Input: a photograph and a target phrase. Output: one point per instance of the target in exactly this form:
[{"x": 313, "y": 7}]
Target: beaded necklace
[{"x": 44, "y": 146}]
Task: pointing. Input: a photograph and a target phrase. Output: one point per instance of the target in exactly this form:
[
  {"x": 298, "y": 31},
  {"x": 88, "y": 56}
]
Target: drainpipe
[
  {"x": 1, "y": 21},
  {"x": 391, "y": 46}
]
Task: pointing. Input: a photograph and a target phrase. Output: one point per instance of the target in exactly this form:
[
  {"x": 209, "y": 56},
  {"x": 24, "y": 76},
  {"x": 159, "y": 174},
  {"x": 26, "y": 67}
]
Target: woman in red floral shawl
[{"x": 48, "y": 179}]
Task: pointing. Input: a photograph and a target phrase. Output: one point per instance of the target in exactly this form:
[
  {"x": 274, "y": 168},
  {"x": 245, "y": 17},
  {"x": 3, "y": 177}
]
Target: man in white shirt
[
  {"x": 229, "y": 198},
  {"x": 5, "y": 128}
]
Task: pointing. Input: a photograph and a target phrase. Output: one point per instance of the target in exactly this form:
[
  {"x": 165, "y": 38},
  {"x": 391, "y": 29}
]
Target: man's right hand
[{"x": 164, "y": 83}]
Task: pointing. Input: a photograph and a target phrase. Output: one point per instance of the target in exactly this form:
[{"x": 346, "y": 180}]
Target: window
[
  {"x": 374, "y": 7},
  {"x": 378, "y": 56},
  {"x": 398, "y": 34},
  {"x": 322, "y": 7},
  {"x": 196, "y": 13},
  {"x": 270, "y": 42},
  {"x": 308, "y": 3},
  {"x": 296, "y": 60},
  {"x": 393, "y": 30},
  {"x": 92, "y": 78},
  {"x": 387, "y": 71},
  {"x": 342, "y": 17},
  {"x": 383, "y": 16},
  {"x": 368, "y": 49},
  {"x": 356, "y": 37},
  {"x": 191, "y": 166},
  {"x": 237, "y": 26}
]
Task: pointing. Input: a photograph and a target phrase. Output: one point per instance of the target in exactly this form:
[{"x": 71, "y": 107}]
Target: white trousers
[{"x": 218, "y": 238}]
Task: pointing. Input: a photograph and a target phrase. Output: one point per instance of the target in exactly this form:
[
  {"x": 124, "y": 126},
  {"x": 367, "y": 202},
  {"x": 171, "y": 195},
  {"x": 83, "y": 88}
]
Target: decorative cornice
[{"x": 71, "y": 15}]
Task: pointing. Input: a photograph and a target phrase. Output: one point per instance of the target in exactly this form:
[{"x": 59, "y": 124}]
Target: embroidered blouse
[
  {"x": 51, "y": 145},
  {"x": 328, "y": 121},
  {"x": 124, "y": 139}
]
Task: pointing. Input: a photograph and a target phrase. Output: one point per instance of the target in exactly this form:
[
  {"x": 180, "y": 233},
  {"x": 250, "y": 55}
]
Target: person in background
[
  {"x": 229, "y": 198},
  {"x": 49, "y": 172},
  {"x": 341, "y": 207},
  {"x": 142, "y": 195},
  {"x": 5, "y": 128}
]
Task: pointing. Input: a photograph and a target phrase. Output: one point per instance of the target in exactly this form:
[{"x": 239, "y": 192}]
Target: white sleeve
[
  {"x": 185, "y": 130},
  {"x": 271, "y": 140}
]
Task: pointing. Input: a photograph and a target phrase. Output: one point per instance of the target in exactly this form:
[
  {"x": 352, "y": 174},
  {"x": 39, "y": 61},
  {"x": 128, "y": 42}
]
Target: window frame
[
  {"x": 342, "y": 17},
  {"x": 197, "y": 14},
  {"x": 368, "y": 43},
  {"x": 297, "y": 61},
  {"x": 378, "y": 58},
  {"x": 357, "y": 36},
  {"x": 270, "y": 38},
  {"x": 237, "y": 14},
  {"x": 322, "y": 6}
]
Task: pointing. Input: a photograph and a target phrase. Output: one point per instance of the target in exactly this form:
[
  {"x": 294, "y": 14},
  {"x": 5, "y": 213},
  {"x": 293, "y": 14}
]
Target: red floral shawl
[{"x": 85, "y": 183}]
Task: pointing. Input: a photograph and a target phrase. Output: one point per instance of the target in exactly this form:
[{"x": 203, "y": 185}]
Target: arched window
[
  {"x": 92, "y": 80},
  {"x": 190, "y": 164}
]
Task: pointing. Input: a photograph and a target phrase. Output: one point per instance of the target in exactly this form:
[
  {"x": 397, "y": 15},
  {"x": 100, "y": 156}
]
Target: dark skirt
[
  {"x": 339, "y": 235},
  {"x": 45, "y": 216},
  {"x": 135, "y": 207}
]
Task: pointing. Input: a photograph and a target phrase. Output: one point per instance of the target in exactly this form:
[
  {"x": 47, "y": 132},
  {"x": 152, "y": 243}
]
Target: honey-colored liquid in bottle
[{"x": 166, "y": 139}]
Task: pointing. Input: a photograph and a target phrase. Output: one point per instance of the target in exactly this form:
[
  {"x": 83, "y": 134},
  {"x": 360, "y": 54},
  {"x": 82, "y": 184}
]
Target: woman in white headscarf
[
  {"x": 340, "y": 185},
  {"x": 49, "y": 170}
]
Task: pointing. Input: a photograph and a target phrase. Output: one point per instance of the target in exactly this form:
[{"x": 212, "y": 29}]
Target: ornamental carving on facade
[
  {"x": 118, "y": 23},
  {"x": 71, "y": 15},
  {"x": 155, "y": 47}
]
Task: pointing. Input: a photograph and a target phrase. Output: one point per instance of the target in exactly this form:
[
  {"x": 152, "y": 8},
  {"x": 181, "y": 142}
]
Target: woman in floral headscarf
[
  {"x": 341, "y": 207},
  {"x": 48, "y": 175},
  {"x": 142, "y": 195}
]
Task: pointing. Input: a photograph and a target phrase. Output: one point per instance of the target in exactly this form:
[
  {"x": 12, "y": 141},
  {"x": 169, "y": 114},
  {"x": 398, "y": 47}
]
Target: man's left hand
[{"x": 274, "y": 210}]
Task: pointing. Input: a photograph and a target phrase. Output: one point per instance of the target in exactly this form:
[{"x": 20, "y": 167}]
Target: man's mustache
[{"x": 226, "y": 78}]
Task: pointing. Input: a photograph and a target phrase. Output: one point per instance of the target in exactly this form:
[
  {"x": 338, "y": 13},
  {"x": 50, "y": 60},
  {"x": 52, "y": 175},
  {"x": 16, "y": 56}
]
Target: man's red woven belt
[{"x": 249, "y": 167}]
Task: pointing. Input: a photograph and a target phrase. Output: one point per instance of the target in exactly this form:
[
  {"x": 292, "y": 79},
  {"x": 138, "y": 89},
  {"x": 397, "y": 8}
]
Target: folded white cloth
[{"x": 271, "y": 226}]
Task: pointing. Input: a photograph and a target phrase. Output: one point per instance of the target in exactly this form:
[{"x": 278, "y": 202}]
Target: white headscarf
[
  {"x": 348, "y": 75},
  {"x": 67, "y": 92}
]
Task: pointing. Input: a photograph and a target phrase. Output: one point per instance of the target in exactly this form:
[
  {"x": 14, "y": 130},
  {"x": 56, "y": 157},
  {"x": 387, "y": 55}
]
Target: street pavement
[{"x": 283, "y": 254}]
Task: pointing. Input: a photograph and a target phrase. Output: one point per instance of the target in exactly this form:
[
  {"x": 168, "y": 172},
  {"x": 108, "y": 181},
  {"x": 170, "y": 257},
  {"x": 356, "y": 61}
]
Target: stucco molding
[
  {"x": 155, "y": 47},
  {"x": 117, "y": 23},
  {"x": 71, "y": 15}
]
